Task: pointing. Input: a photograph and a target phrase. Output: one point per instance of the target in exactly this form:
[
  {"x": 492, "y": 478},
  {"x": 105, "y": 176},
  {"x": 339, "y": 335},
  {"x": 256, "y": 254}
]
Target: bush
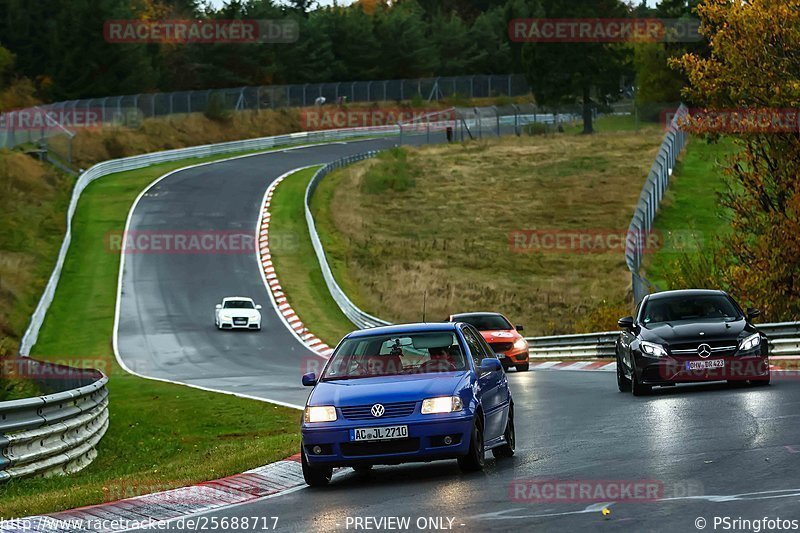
[
  {"x": 391, "y": 172},
  {"x": 536, "y": 128},
  {"x": 115, "y": 146},
  {"x": 503, "y": 100},
  {"x": 418, "y": 101},
  {"x": 698, "y": 267},
  {"x": 217, "y": 109}
]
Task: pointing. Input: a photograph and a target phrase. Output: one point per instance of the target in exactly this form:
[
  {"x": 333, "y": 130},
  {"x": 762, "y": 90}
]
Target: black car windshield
[
  {"x": 388, "y": 355},
  {"x": 484, "y": 322},
  {"x": 690, "y": 307},
  {"x": 238, "y": 304}
]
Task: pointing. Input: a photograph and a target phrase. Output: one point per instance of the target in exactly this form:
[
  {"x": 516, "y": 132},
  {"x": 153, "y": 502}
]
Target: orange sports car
[{"x": 510, "y": 347}]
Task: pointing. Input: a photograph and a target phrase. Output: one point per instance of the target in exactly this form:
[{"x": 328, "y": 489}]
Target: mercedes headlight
[
  {"x": 751, "y": 342},
  {"x": 521, "y": 344},
  {"x": 321, "y": 413},
  {"x": 443, "y": 404},
  {"x": 651, "y": 348}
]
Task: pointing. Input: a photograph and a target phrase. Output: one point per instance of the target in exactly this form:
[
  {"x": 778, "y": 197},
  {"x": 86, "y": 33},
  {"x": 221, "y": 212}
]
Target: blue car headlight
[
  {"x": 319, "y": 413},
  {"x": 652, "y": 349},
  {"x": 751, "y": 342},
  {"x": 442, "y": 404}
]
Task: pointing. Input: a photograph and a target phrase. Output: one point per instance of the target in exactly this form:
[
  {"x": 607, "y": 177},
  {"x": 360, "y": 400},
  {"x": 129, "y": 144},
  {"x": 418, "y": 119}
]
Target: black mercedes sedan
[{"x": 687, "y": 336}]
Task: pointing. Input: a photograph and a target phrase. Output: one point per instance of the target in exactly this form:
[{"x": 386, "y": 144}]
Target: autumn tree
[{"x": 754, "y": 65}]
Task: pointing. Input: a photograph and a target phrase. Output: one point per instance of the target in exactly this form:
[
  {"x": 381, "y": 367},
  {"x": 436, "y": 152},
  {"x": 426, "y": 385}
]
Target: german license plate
[
  {"x": 380, "y": 433},
  {"x": 705, "y": 365}
]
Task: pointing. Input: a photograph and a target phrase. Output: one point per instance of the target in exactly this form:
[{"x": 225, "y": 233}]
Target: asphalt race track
[
  {"x": 166, "y": 322},
  {"x": 710, "y": 450}
]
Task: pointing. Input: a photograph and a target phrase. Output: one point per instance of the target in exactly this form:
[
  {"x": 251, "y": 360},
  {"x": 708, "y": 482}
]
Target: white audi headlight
[
  {"x": 651, "y": 348},
  {"x": 750, "y": 342},
  {"x": 321, "y": 413},
  {"x": 442, "y": 404}
]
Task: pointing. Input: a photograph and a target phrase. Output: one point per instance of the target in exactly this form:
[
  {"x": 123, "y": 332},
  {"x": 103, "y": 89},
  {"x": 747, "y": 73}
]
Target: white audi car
[{"x": 237, "y": 312}]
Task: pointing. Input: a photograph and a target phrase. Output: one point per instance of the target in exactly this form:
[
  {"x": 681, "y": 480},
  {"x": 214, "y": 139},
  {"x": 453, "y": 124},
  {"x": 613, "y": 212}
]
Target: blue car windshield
[{"x": 388, "y": 355}]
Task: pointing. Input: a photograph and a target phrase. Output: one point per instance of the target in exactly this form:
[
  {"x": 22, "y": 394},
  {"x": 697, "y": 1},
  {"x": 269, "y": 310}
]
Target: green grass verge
[
  {"x": 691, "y": 219},
  {"x": 296, "y": 265},
  {"x": 160, "y": 435}
]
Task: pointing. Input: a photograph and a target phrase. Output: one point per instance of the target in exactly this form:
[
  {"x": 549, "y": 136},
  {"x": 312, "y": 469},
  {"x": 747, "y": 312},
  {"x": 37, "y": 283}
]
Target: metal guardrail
[
  {"x": 55, "y": 433},
  {"x": 358, "y": 317},
  {"x": 582, "y": 345},
  {"x": 784, "y": 339},
  {"x": 130, "y": 163},
  {"x": 653, "y": 191}
]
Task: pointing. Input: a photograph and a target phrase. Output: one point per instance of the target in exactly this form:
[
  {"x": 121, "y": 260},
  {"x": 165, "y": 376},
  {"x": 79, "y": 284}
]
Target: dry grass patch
[
  {"x": 179, "y": 131},
  {"x": 447, "y": 231}
]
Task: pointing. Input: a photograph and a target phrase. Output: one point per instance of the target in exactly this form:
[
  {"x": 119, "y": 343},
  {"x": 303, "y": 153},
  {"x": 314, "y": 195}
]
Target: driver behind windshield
[
  {"x": 440, "y": 360},
  {"x": 380, "y": 355}
]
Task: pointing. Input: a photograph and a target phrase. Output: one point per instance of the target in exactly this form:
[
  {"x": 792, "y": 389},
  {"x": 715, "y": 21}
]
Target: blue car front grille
[{"x": 391, "y": 410}]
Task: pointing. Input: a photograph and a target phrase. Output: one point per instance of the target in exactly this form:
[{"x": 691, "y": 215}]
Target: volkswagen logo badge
[
  {"x": 704, "y": 350},
  {"x": 378, "y": 410}
]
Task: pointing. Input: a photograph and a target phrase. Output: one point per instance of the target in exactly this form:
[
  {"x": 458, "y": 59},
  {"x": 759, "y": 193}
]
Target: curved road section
[
  {"x": 684, "y": 459},
  {"x": 167, "y": 296}
]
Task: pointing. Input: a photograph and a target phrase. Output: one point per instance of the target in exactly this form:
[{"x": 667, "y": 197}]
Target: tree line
[{"x": 56, "y": 49}]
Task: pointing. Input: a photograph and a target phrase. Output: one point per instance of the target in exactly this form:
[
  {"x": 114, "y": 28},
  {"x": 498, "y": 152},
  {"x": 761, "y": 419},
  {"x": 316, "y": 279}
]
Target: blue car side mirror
[
  {"x": 310, "y": 379},
  {"x": 490, "y": 364}
]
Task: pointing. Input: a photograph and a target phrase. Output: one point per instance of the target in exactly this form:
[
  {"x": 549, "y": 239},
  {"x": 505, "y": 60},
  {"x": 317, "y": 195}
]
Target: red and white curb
[
  {"x": 168, "y": 506},
  {"x": 597, "y": 366},
  {"x": 279, "y": 300}
]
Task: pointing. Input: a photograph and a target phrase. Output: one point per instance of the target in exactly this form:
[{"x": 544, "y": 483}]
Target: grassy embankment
[
  {"x": 691, "y": 219},
  {"x": 160, "y": 435},
  {"x": 438, "y": 219}
]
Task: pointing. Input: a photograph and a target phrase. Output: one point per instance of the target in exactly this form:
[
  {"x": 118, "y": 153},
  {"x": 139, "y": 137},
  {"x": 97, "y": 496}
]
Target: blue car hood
[{"x": 387, "y": 389}]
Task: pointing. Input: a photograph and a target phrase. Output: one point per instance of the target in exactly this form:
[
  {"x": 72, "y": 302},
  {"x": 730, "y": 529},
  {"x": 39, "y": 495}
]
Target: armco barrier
[
  {"x": 130, "y": 163},
  {"x": 358, "y": 317},
  {"x": 653, "y": 191},
  {"x": 55, "y": 433},
  {"x": 784, "y": 339}
]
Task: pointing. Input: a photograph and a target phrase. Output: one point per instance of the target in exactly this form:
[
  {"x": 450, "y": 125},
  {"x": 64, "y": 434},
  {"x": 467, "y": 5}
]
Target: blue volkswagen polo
[{"x": 406, "y": 393}]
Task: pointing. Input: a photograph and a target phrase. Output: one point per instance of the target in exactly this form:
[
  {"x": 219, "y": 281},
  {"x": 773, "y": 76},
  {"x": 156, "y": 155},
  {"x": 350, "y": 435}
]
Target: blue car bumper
[{"x": 333, "y": 445}]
